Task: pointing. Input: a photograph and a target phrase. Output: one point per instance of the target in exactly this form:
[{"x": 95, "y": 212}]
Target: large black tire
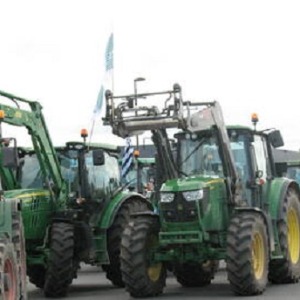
[
  {"x": 18, "y": 239},
  {"x": 9, "y": 277},
  {"x": 287, "y": 270},
  {"x": 247, "y": 254},
  {"x": 114, "y": 234},
  {"x": 196, "y": 275},
  {"x": 60, "y": 269},
  {"x": 142, "y": 276}
]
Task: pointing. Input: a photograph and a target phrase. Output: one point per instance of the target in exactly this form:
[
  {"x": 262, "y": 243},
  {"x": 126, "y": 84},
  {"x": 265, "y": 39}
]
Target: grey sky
[{"x": 245, "y": 54}]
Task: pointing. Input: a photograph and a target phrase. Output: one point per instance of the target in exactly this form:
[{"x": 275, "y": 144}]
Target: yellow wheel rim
[
  {"x": 154, "y": 269},
  {"x": 293, "y": 235},
  {"x": 154, "y": 272},
  {"x": 258, "y": 255}
]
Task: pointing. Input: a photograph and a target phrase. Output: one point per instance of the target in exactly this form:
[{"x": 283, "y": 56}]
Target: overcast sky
[{"x": 245, "y": 54}]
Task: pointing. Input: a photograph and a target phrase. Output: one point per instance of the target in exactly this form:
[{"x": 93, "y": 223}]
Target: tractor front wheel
[
  {"x": 247, "y": 254},
  {"x": 142, "y": 275},
  {"x": 60, "y": 269}
]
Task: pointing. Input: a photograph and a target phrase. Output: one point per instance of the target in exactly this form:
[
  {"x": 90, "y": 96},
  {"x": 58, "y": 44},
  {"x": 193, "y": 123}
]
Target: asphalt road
[{"x": 92, "y": 284}]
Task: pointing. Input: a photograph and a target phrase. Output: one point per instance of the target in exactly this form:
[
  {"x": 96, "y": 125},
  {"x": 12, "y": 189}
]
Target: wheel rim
[
  {"x": 258, "y": 255},
  {"x": 154, "y": 269},
  {"x": 293, "y": 235},
  {"x": 10, "y": 279},
  {"x": 154, "y": 272}
]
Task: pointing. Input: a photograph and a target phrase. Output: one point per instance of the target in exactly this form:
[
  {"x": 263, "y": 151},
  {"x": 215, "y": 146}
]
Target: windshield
[{"x": 198, "y": 155}]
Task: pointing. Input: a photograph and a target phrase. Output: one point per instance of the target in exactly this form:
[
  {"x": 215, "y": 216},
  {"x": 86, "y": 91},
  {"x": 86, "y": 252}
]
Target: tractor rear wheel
[
  {"x": 287, "y": 270},
  {"x": 60, "y": 272},
  {"x": 196, "y": 275},
  {"x": 247, "y": 254},
  {"x": 113, "y": 272},
  {"x": 9, "y": 280},
  {"x": 143, "y": 277}
]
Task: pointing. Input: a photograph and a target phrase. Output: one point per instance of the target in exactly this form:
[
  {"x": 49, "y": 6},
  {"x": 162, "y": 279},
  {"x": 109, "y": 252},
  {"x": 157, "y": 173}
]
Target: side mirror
[
  {"x": 275, "y": 139},
  {"x": 10, "y": 157},
  {"x": 98, "y": 157}
]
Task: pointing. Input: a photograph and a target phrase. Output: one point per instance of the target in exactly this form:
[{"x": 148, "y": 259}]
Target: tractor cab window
[{"x": 198, "y": 155}]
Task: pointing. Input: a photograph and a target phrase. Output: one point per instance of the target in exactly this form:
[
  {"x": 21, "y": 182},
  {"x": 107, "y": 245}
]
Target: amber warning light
[
  {"x": 136, "y": 153},
  {"x": 254, "y": 119},
  {"x": 84, "y": 133},
  {"x": 2, "y": 114}
]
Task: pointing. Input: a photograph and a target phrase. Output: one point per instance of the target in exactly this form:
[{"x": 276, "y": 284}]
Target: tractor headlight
[
  {"x": 167, "y": 197},
  {"x": 193, "y": 195}
]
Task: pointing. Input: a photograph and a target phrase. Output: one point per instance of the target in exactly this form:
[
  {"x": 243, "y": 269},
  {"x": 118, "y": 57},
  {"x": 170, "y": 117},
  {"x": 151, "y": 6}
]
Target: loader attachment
[{"x": 127, "y": 118}]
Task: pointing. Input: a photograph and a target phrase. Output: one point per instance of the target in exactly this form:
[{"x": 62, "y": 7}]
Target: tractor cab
[{"x": 92, "y": 172}]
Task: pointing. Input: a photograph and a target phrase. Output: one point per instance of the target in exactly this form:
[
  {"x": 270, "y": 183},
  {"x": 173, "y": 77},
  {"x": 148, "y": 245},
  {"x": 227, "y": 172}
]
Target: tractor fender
[
  {"x": 112, "y": 207},
  {"x": 268, "y": 222}
]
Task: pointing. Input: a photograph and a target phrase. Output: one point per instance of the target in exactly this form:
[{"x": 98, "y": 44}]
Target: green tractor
[
  {"x": 218, "y": 198},
  {"x": 66, "y": 220}
]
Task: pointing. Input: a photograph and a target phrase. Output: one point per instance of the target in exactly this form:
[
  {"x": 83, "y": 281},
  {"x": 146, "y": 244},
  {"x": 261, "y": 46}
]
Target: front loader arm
[{"x": 34, "y": 121}]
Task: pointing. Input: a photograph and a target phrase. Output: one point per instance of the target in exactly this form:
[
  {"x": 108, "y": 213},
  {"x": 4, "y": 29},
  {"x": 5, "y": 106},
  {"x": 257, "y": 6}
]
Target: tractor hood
[{"x": 189, "y": 184}]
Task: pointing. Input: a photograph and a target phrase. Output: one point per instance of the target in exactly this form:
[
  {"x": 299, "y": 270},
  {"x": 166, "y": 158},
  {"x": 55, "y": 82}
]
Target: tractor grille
[{"x": 179, "y": 210}]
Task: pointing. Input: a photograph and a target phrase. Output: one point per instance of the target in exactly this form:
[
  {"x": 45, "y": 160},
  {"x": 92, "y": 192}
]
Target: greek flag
[{"x": 127, "y": 159}]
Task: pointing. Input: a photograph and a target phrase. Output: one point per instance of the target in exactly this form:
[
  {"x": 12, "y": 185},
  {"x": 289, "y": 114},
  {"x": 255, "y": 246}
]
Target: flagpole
[{"x": 138, "y": 180}]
